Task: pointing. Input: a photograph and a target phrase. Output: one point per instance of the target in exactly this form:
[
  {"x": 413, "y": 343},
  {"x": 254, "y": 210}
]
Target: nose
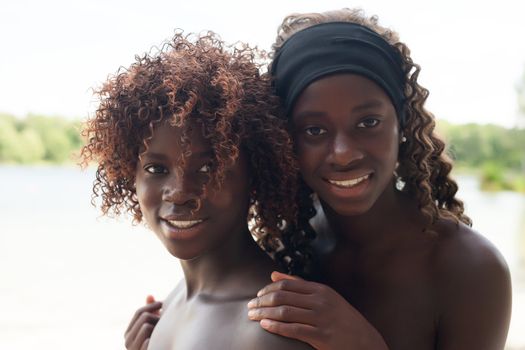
[
  {"x": 179, "y": 189},
  {"x": 344, "y": 151}
]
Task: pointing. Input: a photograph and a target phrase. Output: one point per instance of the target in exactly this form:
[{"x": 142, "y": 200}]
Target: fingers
[
  {"x": 150, "y": 299},
  {"x": 142, "y": 324},
  {"x": 302, "y": 332},
  {"x": 281, "y": 297},
  {"x": 277, "y": 276},
  {"x": 284, "y": 313},
  {"x": 145, "y": 319},
  {"x": 145, "y": 345},
  {"x": 141, "y": 330},
  {"x": 283, "y": 306},
  {"x": 142, "y": 337},
  {"x": 144, "y": 333},
  {"x": 293, "y": 285},
  {"x": 150, "y": 308}
]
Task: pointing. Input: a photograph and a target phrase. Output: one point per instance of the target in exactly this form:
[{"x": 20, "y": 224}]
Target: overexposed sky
[{"x": 53, "y": 52}]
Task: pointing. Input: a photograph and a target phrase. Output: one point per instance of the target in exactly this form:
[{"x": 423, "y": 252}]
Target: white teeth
[
  {"x": 184, "y": 223},
  {"x": 349, "y": 183}
]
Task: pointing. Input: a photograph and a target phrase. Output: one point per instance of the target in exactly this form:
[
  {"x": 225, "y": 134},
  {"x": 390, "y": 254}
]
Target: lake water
[{"x": 70, "y": 279}]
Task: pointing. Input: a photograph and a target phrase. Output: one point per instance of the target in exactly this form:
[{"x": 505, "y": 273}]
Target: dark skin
[
  {"x": 386, "y": 283},
  {"x": 222, "y": 264},
  {"x": 141, "y": 326}
]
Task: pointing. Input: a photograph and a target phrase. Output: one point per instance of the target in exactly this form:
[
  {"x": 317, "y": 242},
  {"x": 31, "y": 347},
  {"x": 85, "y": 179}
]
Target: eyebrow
[
  {"x": 153, "y": 155},
  {"x": 202, "y": 154},
  {"x": 374, "y": 103},
  {"x": 161, "y": 156}
]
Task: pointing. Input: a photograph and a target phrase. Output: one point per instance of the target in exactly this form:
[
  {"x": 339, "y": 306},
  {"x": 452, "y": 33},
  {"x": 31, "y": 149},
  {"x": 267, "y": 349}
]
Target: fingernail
[
  {"x": 259, "y": 293},
  {"x": 251, "y": 313},
  {"x": 265, "y": 323},
  {"x": 252, "y": 303}
]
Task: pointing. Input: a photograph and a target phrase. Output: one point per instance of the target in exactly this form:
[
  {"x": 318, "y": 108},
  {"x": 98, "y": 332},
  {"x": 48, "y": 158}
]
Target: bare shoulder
[
  {"x": 176, "y": 293},
  {"x": 460, "y": 250},
  {"x": 253, "y": 337},
  {"x": 473, "y": 289}
]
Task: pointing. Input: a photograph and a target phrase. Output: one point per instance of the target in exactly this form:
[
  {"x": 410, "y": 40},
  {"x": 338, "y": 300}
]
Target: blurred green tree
[
  {"x": 520, "y": 89},
  {"x": 59, "y": 136},
  {"x": 38, "y": 138},
  {"x": 9, "y": 139}
]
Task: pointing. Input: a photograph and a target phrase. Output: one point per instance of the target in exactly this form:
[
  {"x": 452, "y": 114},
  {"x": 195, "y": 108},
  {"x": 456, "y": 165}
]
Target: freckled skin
[
  {"x": 419, "y": 290},
  {"x": 223, "y": 266}
]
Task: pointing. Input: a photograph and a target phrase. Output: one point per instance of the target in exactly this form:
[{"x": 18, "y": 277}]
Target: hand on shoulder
[
  {"x": 313, "y": 313},
  {"x": 254, "y": 337},
  {"x": 142, "y": 324}
]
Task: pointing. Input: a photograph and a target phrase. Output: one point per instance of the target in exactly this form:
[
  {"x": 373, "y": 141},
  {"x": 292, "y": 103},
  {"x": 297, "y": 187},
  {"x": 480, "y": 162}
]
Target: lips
[
  {"x": 184, "y": 224},
  {"x": 349, "y": 183},
  {"x": 182, "y": 228}
]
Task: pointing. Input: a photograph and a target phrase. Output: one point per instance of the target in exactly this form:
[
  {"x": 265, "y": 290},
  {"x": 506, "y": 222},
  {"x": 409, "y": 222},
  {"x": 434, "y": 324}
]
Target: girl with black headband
[{"x": 399, "y": 265}]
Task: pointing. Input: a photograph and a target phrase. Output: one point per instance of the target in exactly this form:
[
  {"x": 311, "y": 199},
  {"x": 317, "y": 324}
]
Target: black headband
[{"x": 337, "y": 47}]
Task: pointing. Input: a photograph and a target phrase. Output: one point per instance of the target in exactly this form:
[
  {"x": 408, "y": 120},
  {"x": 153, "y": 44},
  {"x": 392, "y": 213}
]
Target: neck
[
  {"x": 374, "y": 227},
  {"x": 217, "y": 273}
]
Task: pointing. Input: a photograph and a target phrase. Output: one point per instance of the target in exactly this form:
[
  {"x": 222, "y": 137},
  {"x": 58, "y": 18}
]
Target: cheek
[
  {"x": 233, "y": 193},
  {"x": 230, "y": 196},
  {"x": 221, "y": 200},
  {"x": 309, "y": 157},
  {"x": 394, "y": 147},
  {"x": 384, "y": 146},
  {"x": 145, "y": 196},
  {"x": 140, "y": 190},
  {"x": 301, "y": 150},
  {"x": 395, "y": 137}
]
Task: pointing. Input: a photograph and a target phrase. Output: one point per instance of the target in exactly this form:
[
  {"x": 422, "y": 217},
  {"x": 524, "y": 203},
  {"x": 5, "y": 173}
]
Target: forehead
[
  {"x": 171, "y": 137},
  {"x": 344, "y": 91}
]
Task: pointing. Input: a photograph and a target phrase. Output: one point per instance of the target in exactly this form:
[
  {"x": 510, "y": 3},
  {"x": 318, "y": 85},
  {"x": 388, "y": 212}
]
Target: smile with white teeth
[
  {"x": 349, "y": 183},
  {"x": 184, "y": 224}
]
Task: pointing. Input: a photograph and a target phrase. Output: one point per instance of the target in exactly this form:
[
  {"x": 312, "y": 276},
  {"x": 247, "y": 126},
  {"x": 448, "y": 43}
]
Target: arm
[
  {"x": 313, "y": 313},
  {"x": 475, "y": 292}
]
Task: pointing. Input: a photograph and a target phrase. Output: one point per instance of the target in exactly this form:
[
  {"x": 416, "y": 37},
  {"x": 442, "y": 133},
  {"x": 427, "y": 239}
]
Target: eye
[
  {"x": 368, "y": 123},
  {"x": 314, "y": 131},
  {"x": 155, "y": 169}
]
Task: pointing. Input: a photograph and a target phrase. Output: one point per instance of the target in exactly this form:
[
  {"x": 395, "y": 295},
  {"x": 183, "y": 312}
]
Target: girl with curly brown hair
[
  {"x": 404, "y": 267},
  {"x": 188, "y": 139}
]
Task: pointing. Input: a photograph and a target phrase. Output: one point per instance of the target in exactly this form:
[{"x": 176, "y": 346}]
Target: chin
[
  {"x": 180, "y": 250},
  {"x": 349, "y": 209},
  {"x": 183, "y": 254}
]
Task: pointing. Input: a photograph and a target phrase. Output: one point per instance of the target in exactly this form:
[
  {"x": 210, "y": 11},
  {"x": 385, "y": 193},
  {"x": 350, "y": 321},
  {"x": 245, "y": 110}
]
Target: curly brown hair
[
  {"x": 198, "y": 79},
  {"x": 424, "y": 168}
]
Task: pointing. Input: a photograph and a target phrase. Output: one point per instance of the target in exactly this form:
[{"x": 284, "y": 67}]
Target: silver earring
[
  {"x": 403, "y": 139},
  {"x": 398, "y": 180},
  {"x": 400, "y": 184}
]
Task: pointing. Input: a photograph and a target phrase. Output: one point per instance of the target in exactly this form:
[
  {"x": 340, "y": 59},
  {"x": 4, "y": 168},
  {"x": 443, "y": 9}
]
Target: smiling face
[
  {"x": 168, "y": 193},
  {"x": 346, "y": 136}
]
